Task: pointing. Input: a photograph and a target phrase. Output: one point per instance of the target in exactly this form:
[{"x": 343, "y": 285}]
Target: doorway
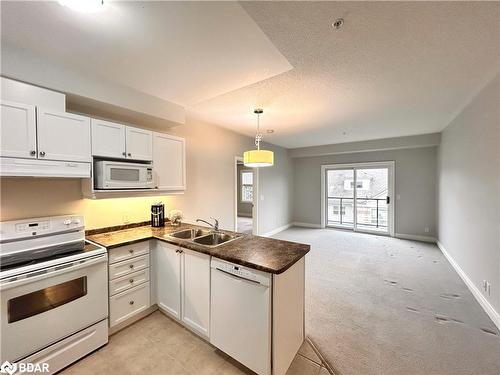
[
  {"x": 245, "y": 193},
  {"x": 359, "y": 197}
]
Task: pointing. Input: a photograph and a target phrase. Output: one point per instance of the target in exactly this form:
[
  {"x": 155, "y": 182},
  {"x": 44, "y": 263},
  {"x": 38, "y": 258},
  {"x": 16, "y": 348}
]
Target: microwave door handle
[{"x": 52, "y": 271}]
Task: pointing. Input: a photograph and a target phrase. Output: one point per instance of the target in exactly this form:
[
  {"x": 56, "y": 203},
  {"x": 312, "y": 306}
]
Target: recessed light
[
  {"x": 84, "y": 6},
  {"x": 338, "y": 23},
  {"x": 270, "y": 131}
]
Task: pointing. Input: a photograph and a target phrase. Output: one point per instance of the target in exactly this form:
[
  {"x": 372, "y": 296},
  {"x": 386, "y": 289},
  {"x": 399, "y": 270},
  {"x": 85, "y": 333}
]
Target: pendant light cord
[{"x": 258, "y": 136}]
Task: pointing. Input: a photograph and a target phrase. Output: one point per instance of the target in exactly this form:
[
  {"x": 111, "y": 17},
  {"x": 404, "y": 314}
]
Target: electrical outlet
[
  {"x": 488, "y": 288},
  {"x": 485, "y": 285},
  {"x": 427, "y": 230}
]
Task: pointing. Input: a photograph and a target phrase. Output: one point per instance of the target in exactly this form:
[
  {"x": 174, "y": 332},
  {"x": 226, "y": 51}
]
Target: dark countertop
[{"x": 260, "y": 253}]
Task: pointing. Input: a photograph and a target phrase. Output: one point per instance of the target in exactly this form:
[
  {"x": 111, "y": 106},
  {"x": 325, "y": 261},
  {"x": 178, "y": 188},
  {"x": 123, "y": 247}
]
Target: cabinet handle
[
  {"x": 131, "y": 302},
  {"x": 42, "y": 153},
  {"x": 129, "y": 154},
  {"x": 131, "y": 266},
  {"x": 180, "y": 251},
  {"x": 124, "y": 153},
  {"x": 131, "y": 251},
  {"x": 33, "y": 153},
  {"x": 131, "y": 281}
]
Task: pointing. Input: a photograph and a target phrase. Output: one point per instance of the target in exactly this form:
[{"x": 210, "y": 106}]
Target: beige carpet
[{"x": 384, "y": 306}]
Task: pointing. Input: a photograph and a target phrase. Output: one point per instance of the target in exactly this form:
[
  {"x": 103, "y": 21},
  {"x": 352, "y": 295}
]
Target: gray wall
[
  {"x": 469, "y": 190},
  {"x": 275, "y": 192},
  {"x": 244, "y": 208},
  {"x": 415, "y": 182}
]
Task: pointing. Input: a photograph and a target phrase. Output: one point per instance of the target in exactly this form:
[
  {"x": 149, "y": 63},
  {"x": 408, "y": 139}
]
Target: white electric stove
[{"x": 53, "y": 292}]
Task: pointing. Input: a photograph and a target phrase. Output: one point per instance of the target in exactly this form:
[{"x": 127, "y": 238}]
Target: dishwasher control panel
[
  {"x": 241, "y": 272},
  {"x": 237, "y": 270}
]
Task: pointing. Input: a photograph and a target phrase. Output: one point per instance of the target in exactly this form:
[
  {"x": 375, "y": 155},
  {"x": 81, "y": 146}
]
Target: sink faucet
[{"x": 215, "y": 225}]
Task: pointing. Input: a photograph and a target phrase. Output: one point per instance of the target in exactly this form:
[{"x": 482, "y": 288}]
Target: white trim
[
  {"x": 255, "y": 208},
  {"x": 306, "y": 225},
  {"x": 277, "y": 230},
  {"x": 391, "y": 166},
  {"x": 416, "y": 237},
  {"x": 487, "y": 307}
]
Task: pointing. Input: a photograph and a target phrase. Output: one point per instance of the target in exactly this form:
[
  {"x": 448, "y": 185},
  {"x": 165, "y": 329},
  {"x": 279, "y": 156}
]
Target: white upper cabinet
[
  {"x": 169, "y": 162},
  {"x": 139, "y": 144},
  {"x": 17, "y": 130},
  {"x": 108, "y": 139},
  {"x": 63, "y": 136},
  {"x": 196, "y": 291}
]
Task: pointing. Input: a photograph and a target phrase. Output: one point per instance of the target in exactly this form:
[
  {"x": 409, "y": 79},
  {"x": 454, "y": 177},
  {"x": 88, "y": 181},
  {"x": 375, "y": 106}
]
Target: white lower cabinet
[
  {"x": 195, "y": 287},
  {"x": 183, "y": 285},
  {"x": 125, "y": 305},
  {"x": 168, "y": 278},
  {"x": 129, "y": 283}
]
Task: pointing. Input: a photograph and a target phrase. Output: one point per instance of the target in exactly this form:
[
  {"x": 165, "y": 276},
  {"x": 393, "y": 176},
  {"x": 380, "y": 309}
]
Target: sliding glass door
[{"x": 359, "y": 197}]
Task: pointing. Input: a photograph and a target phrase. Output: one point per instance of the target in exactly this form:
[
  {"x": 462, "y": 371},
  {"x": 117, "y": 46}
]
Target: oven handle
[{"x": 45, "y": 273}]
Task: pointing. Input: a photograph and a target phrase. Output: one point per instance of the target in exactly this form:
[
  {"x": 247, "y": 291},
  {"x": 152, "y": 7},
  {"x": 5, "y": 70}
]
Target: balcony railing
[{"x": 371, "y": 212}]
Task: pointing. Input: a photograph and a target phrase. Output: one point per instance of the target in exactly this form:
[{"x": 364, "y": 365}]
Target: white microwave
[{"x": 122, "y": 175}]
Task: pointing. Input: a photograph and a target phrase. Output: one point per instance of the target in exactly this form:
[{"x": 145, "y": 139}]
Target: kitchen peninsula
[{"x": 246, "y": 291}]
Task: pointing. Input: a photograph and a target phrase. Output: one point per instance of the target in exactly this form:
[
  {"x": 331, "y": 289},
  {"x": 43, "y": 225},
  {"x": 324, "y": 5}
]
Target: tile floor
[
  {"x": 158, "y": 345},
  {"x": 245, "y": 224}
]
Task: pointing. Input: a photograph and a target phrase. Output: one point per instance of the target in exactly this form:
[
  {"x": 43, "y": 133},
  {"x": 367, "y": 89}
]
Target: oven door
[
  {"x": 46, "y": 305},
  {"x": 127, "y": 176}
]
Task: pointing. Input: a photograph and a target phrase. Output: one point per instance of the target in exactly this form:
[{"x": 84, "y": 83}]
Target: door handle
[{"x": 388, "y": 200}]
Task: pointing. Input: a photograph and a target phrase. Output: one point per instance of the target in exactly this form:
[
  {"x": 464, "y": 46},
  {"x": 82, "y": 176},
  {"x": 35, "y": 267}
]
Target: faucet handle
[{"x": 216, "y": 226}]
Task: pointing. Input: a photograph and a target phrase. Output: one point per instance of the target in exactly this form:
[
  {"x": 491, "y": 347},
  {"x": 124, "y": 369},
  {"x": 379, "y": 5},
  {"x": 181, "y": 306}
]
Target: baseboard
[
  {"x": 487, "y": 307},
  {"x": 415, "y": 237},
  {"x": 306, "y": 225},
  {"x": 277, "y": 230}
]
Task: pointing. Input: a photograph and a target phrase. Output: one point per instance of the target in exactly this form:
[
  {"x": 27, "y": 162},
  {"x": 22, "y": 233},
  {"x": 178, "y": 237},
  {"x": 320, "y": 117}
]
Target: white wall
[
  {"x": 415, "y": 183},
  {"x": 210, "y": 187},
  {"x": 469, "y": 190}
]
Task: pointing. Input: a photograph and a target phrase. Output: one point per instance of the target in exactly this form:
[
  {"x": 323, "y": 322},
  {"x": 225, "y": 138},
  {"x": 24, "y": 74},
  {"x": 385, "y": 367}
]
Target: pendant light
[{"x": 258, "y": 158}]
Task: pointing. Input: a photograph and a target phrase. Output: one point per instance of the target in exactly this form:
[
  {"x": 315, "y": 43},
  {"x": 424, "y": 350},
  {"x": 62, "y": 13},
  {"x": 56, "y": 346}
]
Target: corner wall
[{"x": 469, "y": 194}]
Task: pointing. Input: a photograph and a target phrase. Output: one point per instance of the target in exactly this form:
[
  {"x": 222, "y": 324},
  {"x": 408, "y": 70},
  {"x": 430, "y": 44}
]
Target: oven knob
[
  {"x": 131, "y": 266},
  {"x": 67, "y": 222},
  {"x": 131, "y": 281},
  {"x": 76, "y": 221},
  {"x": 131, "y": 302}
]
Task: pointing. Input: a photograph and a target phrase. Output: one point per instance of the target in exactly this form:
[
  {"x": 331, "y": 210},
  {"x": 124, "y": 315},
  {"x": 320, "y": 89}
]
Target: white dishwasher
[{"x": 240, "y": 321}]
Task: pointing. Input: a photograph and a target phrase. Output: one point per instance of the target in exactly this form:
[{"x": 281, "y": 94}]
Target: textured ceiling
[
  {"x": 394, "y": 69},
  {"x": 182, "y": 52}
]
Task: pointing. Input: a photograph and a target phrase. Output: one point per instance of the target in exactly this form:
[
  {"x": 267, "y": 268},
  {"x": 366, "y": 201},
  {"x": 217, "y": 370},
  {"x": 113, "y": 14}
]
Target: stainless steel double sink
[{"x": 205, "y": 237}]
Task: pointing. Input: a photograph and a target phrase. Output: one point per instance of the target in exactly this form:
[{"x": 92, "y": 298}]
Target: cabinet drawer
[
  {"x": 129, "y": 281},
  {"x": 125, "y": 305},
  {"x": 128, "y": 266},
  {"x": 128, "y": 251}
]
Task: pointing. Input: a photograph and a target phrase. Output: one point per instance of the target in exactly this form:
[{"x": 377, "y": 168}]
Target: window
[{"x": 247, "y": 186}]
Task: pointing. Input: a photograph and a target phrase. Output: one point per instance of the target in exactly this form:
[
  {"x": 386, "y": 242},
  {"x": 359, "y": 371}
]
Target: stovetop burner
[{"x": 25, "y": 258}]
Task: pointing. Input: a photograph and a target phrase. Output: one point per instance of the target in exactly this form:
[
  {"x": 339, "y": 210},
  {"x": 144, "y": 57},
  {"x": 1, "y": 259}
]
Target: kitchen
[
  {"x": 249, "y": 187},
  {"x": 189, "y": 272}
]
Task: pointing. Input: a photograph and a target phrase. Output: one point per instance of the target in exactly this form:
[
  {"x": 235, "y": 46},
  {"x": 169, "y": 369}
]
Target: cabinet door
[
  {"x": 108, "y": 139},
  {"x": 139, "y": 144},
  {"x": 196, "y": 291},
  {"x": 17, "y": 130},
  {"x": 169, "y": 162},
  {"x": 168, "y": 278},
  {"x": 63, "y": 136}
]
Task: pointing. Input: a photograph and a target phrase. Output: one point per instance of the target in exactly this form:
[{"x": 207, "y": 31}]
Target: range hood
[{"x": 17, "y": 167}]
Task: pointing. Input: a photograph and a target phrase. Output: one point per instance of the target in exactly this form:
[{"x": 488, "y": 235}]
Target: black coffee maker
[{"x": 158, "y": 215}]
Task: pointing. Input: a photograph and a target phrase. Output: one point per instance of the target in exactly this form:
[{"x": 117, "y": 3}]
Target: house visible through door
[
  {"x": 359, "y": 197},
  {"x": 245, "y": 197}
]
